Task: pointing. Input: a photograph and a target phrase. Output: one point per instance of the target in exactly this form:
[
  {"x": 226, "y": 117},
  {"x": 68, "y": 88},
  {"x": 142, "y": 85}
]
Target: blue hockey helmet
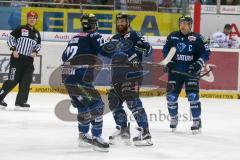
[
  {"x": 89, "y": 22},
  {"x": 186, "y": 18},
  {"x": 123, "y": 15}
]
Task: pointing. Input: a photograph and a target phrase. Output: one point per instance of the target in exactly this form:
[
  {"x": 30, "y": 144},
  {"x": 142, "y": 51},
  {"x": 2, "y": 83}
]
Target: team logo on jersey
[
  {"x": 125, "y": 45},
  {"x": 24, "y": 32},
  {"x": 181, "y": 46},
  {"x": 192, "y": 38},
  {"x": 110, "y": 47}
]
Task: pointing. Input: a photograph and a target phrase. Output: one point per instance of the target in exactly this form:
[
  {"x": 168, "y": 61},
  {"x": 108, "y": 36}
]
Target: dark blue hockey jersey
[
  {"x": 190, "y": 48},
  {"x": 128, "y": 49},
  {"x": 132, "y": 44},
  {"x": 82, "y": 49},
  {"x": 83, "y": 43}
]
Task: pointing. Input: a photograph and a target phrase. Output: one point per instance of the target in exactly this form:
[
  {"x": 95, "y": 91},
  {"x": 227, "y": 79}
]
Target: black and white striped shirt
[{"x": 25, "y": 40}]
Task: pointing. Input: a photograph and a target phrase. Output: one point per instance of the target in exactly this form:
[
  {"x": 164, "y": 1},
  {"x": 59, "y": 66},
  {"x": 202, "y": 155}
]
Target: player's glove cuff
[{"x": 146, "y": 50}]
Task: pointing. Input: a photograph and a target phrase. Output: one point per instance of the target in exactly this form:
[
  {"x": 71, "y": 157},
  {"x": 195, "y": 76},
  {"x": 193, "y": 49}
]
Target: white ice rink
[{"x": 40, "y": 135}]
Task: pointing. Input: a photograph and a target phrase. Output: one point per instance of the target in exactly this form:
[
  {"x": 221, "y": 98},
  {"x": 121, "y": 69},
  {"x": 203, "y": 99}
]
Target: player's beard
[{"x": 122, "y": 29}]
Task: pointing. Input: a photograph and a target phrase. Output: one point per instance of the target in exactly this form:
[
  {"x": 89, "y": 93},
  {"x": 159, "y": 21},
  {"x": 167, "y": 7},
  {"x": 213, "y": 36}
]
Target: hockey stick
[
  {"x": 162, "y": 63},
  {"x": 169, "y": 57},
  {"x": 192, "y": 75}
]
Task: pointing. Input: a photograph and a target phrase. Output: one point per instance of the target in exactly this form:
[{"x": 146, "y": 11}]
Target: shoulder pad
[
  {"x": 95, "y": 34},
  {"x": 174, "y": 35},
  {"x": 199, "y": 36},
  {"x": 204, "y": 39},
  {"x": 139, "y": 34},
  {"x": 75, "y": 39}
]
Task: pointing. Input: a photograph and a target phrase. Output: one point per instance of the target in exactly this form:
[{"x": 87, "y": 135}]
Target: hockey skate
[
  {"x": 99, "y": 144},
  {"x": 22, "y": 107},
  {"x": 196, "y": 127},
  {"x": 3, "y": 105},
  {"x": 85, "y": 140},
  {"x": 144, "y": 138},
  {"x": 174, "y": 123},
  {"x": 121, "y": 134}
]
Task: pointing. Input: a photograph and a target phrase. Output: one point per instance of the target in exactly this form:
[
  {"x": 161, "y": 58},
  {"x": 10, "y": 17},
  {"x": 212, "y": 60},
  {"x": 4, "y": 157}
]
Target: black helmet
[
  {"x": 89, "y": 21},
  {"x": 186, "y": 18},
  {"x": 122, "y": 15}
]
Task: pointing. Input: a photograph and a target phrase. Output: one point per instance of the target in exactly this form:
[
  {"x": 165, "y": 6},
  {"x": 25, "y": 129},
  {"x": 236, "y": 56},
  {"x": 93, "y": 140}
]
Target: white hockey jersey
[{"x": 221, "y": 40}]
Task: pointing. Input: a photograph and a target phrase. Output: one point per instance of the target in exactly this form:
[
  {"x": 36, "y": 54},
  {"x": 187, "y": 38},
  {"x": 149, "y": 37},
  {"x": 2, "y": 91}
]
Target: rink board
[{"x": 143, "y": 92}]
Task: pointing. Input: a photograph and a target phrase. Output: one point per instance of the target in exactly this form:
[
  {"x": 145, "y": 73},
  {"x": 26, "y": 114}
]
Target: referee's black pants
[{"x": 20, "y": 72}]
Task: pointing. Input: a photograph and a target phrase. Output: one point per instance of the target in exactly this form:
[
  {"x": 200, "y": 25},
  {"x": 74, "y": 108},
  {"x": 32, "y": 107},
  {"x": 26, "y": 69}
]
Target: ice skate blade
[
  {"x": 99, "y": 149},
  {"x": 83, "y": 144},
  {"x": 118, "y": 139},
  {"x": 21, "y": 108},
  {"x": 3, "y": 108},
  {"x": 113, "y": 140},
  {"x": 173, "y": 129},
  {"x": 143, "y": 143},
  {"x": 197, "y": 131},
  {"x": 127, "y": 142}
]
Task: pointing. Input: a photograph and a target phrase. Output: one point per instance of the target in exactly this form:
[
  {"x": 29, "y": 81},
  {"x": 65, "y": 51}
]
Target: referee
[{"x": 25, "y": 43}]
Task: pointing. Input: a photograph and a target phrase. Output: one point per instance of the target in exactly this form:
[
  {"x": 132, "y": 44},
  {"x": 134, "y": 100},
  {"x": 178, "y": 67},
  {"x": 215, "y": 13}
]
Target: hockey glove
[
  {"x": 135, "y": 62},
  {"x": 195, "y": 68},
  {"x": 146, "y": 50}
]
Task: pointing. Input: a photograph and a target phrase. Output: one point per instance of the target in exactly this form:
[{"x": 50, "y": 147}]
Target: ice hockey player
[
  {"x": 130, "y": 48},
  {"x": 191, "y": 55},
  {"x": 225, "y": 39},
  {"x": 83, "y": 49}
]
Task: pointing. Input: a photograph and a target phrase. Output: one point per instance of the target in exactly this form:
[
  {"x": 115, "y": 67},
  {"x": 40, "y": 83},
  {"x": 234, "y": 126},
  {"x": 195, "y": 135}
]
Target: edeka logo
[
  {"x": 57, "y": 22},
  {"x": 65, "y": 20}
]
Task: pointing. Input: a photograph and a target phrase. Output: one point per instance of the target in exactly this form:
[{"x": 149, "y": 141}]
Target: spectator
[
  {"x": 74, "y": 1},
  {"x": 230, "y": 2},
  {"x": 210, "y": 2},
  {"x": 61, "y": 3},
  {"x": 224, "y": 39},
  {"x": 92, "y": 4},
  {"x": 165, "y": 3},
  {"x": 173, "y": 6},
  {"x": 97, "y": 2}
]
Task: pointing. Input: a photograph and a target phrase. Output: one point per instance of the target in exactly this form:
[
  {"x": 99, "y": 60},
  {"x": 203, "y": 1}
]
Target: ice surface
[{"x": 40, "y": 135}]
